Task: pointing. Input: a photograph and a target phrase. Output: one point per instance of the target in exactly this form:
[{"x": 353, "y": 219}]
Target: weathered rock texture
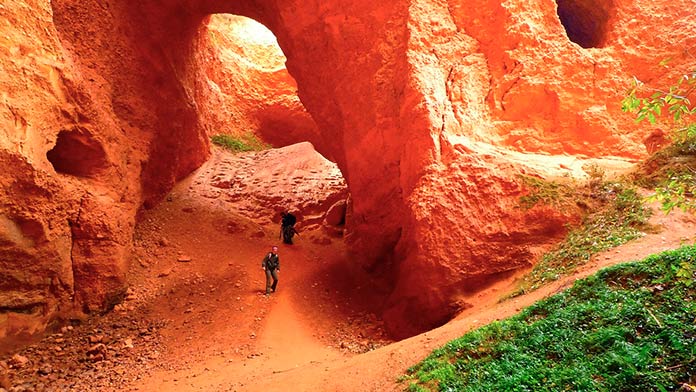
[
  {"x": 429, "y": 107},
  {"x": 248, "y": 85},
  {"x": 259, "y": 185}
]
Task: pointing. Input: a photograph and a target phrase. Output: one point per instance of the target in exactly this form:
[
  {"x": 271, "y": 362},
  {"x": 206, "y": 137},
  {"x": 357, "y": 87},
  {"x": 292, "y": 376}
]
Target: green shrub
[
  {"x": 247, "y": 142},
  {"x": 545, "y": 192},
  {"x": 619, "y": 217},
  {"x": 672, "y": 107},
  {"x": 628, "y": 328}
]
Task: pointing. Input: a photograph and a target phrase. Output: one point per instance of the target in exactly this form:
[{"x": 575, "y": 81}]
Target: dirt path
[
  {"x": 379, "y": 370},
  {"x": 221, "y": 332}
]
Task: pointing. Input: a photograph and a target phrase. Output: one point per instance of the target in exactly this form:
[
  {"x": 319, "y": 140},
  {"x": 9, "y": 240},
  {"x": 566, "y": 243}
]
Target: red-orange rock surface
[
  {"x": 247, "y": 83},
  {"x": 430, "y": 109}
]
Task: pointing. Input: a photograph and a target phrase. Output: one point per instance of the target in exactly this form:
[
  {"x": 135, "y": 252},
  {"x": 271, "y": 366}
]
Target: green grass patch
[
  {"x": 247, "y": 142},
  {"x": 672, "y": 173},
  {"x": 630, "y": 327},
  {"x": 619, "y": 216},
  {"x": 546, "y": 192}
]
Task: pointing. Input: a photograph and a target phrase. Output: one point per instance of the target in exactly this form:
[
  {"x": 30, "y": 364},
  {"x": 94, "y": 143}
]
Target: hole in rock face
[
  {"x": 585, "y": 21},
  {"x": 252, "y": 93},
  {"x": 77, "y": 153}
]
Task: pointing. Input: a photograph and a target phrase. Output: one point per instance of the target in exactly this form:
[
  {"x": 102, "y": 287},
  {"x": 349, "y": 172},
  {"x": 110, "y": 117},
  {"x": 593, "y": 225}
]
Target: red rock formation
[
  {"x": 430, "y": 108},
  {"x": 244, "y": 72}
]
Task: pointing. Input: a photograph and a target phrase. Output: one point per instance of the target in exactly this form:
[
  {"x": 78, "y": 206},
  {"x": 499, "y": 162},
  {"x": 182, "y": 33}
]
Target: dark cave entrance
[
  {"x": 77, "y": 153},
  {"x": 586, "y": 21}
]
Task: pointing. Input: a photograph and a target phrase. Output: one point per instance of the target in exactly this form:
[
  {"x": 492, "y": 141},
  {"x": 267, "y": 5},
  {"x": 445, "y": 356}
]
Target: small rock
[
  {"x": 336, "y": 215},
  {"x": 184, "y": 259},
  {"x": 18, "y": 361},
  {"x": 96, "y": 339},
  {"x": 97, "y": 352},
  {"x": 164, "y": 273},
  {"x": 45, "y": 370},
  {"x": 128, "y": 343},
  {"x": 4, "y": 377}
]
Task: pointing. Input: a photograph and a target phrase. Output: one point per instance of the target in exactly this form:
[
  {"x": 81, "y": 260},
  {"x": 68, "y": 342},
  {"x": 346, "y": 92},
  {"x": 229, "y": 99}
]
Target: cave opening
[
  {"x": 77, "y": 153},
  {"x": 251, "y": 105},
  {"x": 250, "y": 96},
  {"x": 233, "y": 204},
  {"x": 586, "y": 22}
]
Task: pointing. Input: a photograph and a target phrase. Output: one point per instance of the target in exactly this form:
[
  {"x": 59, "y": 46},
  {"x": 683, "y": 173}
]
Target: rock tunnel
[{"x": 430, "y": 109}]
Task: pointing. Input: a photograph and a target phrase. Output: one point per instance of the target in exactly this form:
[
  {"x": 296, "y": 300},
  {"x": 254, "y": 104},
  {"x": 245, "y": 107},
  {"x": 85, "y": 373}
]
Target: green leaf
[
  {"x": 651, "y": 118},
  {"x": 658, "y": 110},
  {"x": 664, "y": 62}
]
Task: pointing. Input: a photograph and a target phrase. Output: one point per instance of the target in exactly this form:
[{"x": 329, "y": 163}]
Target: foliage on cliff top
[
  {"x": 672, "y": 170},
  {"x": 247, "y": 142},
  {"x": 628, "y": 328}
]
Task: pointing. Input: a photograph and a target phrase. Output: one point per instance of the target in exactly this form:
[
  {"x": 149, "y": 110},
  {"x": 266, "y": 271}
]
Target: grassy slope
[{"x": 628, "y": 328}]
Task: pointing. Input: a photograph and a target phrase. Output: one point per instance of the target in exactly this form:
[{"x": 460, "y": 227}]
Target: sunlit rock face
[
  {"x": 431, "y": 110},
  {"x": 247, "y": 89}
]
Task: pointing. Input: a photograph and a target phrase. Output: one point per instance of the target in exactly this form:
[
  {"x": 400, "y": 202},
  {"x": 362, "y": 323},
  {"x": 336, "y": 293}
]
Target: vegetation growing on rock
[{"x": 627, "y": 328}]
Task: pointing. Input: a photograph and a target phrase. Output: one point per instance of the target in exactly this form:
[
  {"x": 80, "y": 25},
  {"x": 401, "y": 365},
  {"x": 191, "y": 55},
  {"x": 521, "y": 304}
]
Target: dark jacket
[
  {"x": 271, "y": 261},
  {"x": 288, "y": 220}
]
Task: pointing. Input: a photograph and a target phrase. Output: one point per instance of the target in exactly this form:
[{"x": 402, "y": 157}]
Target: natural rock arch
[{"x": 429, "y": 109}]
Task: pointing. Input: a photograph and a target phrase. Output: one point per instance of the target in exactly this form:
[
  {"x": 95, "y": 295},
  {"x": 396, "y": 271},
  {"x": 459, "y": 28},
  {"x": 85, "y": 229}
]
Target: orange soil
[{"x": 222, "y": 334}]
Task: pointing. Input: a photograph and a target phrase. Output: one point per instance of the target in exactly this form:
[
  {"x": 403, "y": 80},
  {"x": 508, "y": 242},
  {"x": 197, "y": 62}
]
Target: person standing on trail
[
  {"x": 271, "y": 265},
  {"x": 287, "y": 227}
]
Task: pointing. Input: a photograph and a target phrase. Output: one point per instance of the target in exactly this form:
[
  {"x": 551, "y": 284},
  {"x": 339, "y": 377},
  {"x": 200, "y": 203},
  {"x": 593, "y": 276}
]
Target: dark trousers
[
  {"x": 287, "y": 232},
  {"x": 271, "y": 274}
]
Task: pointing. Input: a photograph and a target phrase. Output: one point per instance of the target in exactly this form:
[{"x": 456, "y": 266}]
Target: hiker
[
  {"x": 287, "y": 227},
  {"x": 271, "y": 265}
]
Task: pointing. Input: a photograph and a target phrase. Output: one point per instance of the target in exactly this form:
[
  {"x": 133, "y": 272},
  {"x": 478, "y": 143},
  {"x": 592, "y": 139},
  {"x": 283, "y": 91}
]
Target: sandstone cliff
[{"x": 429, "y": 107}]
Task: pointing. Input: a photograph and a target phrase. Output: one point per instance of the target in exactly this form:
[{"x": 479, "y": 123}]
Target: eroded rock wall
[
  {"x": 243, "y": 76},
  {"x": 65, "y": 227},
  {"x": 96, "y": 123},
  {"x": 431, "y": 108}
]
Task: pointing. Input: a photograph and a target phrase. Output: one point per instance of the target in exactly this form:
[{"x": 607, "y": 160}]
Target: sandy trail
[{"x": 222, "y": 333}]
